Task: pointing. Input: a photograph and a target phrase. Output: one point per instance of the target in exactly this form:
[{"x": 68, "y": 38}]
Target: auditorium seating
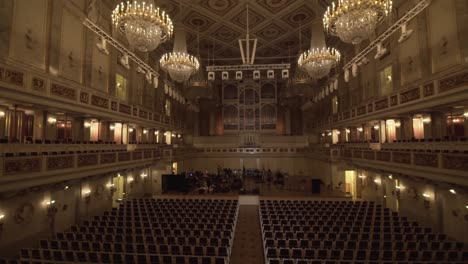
[
  {"x": 314, "y": 232},
  {"x": 169, "y": 231}
]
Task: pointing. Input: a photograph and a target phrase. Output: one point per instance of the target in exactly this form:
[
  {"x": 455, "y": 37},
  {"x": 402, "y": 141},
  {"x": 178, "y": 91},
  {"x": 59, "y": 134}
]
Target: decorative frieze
[
  {"x": 147, "y": 154},
  {"x": 87, "y": 160},
  {"x": 428, "y": 160},
  {"x": 62, "y": 91},
  {"x": 107, "y": 158},
  {"x": 357, "y": 154},
  {"x": 100, "y": 101},
  {"x": 393, "y": 100},
  {"x": 383, "y": 156},
  {"x": 11, "y": 76},
  {"x": 124, "y": 156},
  {"x": 402, "y": 157},
  {"x": 361, "y": 110},
  {"x": 453, "y": 82},
  {"x": 381, "y": 104},
  {"x": 410, "y": 95},
  {"x": 38, "y": 84},
  {"x": 126, "y": 109},
  {"x": 84, "y": 97},
  {"x": 60, "y": 162},
  {"x": 17, "y": 166},
  {"x": 455, "y": 162},
  {"x": 370, "y": 155},
  {"x": 143, "y": 114},
  {"x": 113, "y": 106},
  {"x": 137, "y": 155},
  {"x": 428, "y": 89}
]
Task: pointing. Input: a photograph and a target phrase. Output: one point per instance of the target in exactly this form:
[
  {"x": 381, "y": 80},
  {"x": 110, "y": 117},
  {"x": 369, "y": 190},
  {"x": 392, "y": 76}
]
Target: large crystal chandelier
[
  {"x": 144, "y": 25},
  {"x": 318, "y": 60},
  {"x": 355, "y": 20},
  {"x": 179, "y": 64}
]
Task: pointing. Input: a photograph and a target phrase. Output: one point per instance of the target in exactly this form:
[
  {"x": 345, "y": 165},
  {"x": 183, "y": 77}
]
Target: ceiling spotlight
[
  {"x": 381, "y": 51},
  {"x": 453, "y": 191},
  {"x": 390, "y": 177},
  {"x": 102, "y": 46},
  {"x": 346, "y": 75},
  {"x": 405, "y": 33},
  {"x": 123, "y": 60}
]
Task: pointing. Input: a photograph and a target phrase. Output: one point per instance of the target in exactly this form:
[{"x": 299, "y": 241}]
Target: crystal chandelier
[
  {"x": 318, "y": 60},
  {"x": 179, "y": 64},
  {"x": 355, "y": 20},
  {"x": 144, "y": 25}
]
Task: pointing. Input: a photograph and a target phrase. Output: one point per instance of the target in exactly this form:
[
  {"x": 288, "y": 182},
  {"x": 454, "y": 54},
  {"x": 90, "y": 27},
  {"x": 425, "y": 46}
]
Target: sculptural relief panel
[
  {"x": 28, "y": 39},
  {"x": 100, "y": 68},
  {"x": 443, "y": 35},
  {"x": 71, "y": 47},
  {"x": 409, "y": 54}
]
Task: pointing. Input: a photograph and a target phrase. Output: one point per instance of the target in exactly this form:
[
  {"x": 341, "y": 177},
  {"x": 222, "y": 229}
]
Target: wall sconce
[
  {"x": 130, "y": 130},
  {"x": 51, "y": 120},
  {"x": 2, "y": 218},
  {"x": 173, "y": 135},
  {"x": 145, "y": 131},
  {"x": 112, "y": 188},
  {"x": 338, "y": 132},
  {"x": 426, "y": 120},
  {"x": 66, "y": 187},
  {"x": 465, "y": 114},
  {"x": 130, "y": 179},
  {"x": 390, "y": 177},
  {"x": 397, "y": 124},
  {"x": 156, "y": 132},
  {"x": 348, "y": 131},
  {"x": 323, "y": 134},
  {"x": 329, "y": 133},
  {"x": 377, "y": 181},
  {"x": 359, "y": 129},
  {"x": 427, "y": 203},
  {"x": 362, "y": 176},
  {"x": 87, "y": 124},
  {"x": 2, "y": 114},
  {"x": 376, "y": 127},
  {"x": 87, "y": 196},
  {"x": 111, "y": 127},
  {"x": 51, "y": 209}
]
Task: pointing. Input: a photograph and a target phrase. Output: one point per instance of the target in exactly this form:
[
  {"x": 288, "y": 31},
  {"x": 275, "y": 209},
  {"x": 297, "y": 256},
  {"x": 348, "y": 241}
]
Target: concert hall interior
[{"x": 234, "y": 131}]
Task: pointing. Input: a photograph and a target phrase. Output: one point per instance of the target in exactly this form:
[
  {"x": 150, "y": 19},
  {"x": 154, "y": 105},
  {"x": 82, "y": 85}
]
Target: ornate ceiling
[{"x": 222, "y": 22}]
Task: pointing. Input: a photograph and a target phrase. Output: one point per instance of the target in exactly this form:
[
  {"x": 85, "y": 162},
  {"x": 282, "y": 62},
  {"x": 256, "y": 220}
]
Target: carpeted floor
[{"x": 247, "y": 248}]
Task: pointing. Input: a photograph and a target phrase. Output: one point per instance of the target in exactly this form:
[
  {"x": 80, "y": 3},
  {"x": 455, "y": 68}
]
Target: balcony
[{"x": 449, "y": 165}]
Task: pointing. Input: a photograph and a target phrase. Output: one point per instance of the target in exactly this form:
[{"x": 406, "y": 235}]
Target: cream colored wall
[{"x": 443, "y": 211}]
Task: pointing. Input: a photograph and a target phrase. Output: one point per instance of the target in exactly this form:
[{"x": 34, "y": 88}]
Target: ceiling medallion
[
  {"x": 144, "y": 25},
  {"x": 179, "y": 64},
  {"x": 355, "y": 20}
]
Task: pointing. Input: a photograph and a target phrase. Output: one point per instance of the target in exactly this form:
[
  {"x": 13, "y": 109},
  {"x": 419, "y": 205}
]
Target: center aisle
[{"x": 247, "y": 248}]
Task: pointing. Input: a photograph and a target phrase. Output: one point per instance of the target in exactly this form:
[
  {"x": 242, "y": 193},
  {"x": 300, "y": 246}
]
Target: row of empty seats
[
  {"x": 297, "y": 232},
  {"x": 129, "y": 234}
]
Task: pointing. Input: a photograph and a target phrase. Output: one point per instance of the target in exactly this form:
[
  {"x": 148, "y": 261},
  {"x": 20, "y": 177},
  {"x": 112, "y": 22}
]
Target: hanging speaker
[
  {"x": 270, "y": 74},
  {"x": 211, "y": 76},
  {"x": 238, "y": 75},
  {"x": 225, "y": 75},
  {"x": 256, "y": 75}
]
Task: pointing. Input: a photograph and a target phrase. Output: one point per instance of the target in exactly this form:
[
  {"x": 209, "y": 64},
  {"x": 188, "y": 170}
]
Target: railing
[
  {"x": 424, "y": 91},
  {"x": 454, "y": 161},
  {"x": 41, "y": 86},
  {"x": 48, "y": 164}
]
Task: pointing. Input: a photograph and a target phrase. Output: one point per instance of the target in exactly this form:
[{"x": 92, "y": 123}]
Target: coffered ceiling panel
[{"x": 222, "y": 22}]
